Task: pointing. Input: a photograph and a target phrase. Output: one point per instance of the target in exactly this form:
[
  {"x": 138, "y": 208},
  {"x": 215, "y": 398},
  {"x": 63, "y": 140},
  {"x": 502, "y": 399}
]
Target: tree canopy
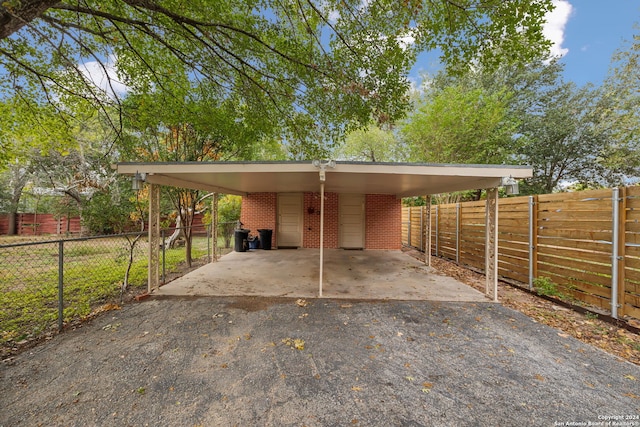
[{"x": 310, "y": 70}]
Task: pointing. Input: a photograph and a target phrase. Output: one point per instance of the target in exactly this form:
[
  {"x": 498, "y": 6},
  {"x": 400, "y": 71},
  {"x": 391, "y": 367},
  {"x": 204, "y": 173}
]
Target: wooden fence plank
[{"x": 577, "y": 195}]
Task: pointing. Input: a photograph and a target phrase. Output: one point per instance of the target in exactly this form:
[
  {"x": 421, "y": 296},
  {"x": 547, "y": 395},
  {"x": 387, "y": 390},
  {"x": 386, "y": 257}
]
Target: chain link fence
[{"x": 48, "y": 283}]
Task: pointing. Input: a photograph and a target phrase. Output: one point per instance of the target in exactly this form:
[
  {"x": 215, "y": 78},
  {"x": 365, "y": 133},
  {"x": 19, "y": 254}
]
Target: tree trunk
[{"x": 13, "y": 224}]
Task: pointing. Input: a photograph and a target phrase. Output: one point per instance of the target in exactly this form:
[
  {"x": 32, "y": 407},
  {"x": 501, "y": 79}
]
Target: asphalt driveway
[{"x": 264, "y": 361}]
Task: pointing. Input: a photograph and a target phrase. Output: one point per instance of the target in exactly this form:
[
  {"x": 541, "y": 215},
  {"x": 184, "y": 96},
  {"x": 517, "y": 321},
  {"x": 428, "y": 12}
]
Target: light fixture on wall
[
  {"x": 510, "y": 185},
  {"x": 137, "y": 181}
]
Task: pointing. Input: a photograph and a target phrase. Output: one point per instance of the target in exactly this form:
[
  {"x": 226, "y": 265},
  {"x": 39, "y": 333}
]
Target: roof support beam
[
  {"x": 153, "y": 281},
  {"x": 427, "y": 231}
]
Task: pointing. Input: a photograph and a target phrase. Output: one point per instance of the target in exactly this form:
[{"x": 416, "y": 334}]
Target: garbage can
[
  {"x": 265, "y": 238},
  {"x": 241, "y": 240}
]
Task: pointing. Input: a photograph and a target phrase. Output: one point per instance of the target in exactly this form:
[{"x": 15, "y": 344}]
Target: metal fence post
[
  {"x": 60, "y": 284},
  {"x": 615, "y": 202},
  {"x": 532, "y": 229}
]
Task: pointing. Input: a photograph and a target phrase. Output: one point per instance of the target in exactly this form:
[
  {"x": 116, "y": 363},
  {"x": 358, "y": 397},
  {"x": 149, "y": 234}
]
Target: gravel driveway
[{"x": 271, "y": 362}]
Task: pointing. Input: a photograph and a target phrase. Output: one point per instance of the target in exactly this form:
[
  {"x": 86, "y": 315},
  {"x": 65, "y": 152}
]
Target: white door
[
  {"x": 289, "y": 220},
  {"x": 351, "y": 221}
]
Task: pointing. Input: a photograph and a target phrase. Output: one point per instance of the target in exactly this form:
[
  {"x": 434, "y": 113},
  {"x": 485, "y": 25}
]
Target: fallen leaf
[
  {"x": 346, "y": 305},
  {"x": 410, "y": 379},
  {"x": 630, "y": 377},
  {"x": 539, "y": 377},
  {"x": 302, "y": 302},
  {"x": 631, "y": 395},
  {"x": 356, "y": 388}
]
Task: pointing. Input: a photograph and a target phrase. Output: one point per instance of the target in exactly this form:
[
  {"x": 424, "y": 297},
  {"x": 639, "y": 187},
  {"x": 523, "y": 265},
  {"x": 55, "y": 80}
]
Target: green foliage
[
  {"x": 107, "y": 213},
  {"x": 459, "y": 124},
  {"x": 372, "y": 145},
  {"x": 229, "y": 208},
  {"x": 282, "y": 62},
  {"x": 545, "y": 286}
]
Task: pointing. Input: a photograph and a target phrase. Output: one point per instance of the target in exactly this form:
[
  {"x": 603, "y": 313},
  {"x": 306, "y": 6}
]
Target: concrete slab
[{"x": 369, "y": 274}]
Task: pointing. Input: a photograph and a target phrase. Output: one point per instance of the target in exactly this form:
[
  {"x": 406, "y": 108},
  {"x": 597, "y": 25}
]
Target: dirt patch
[
  {"x": 587, "y": 328},
  {"x": 251, "y": 304}
]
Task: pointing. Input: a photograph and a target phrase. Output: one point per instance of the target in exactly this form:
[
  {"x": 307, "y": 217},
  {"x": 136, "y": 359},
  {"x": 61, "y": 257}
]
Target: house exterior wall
[
  {"x": 383, "y": 219},
  {"x": 259, "y": 212},
  {"x": 311, "y": 237}
]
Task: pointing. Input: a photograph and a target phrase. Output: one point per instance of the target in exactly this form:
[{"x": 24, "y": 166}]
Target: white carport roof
[{"x": 400, "y": 179}]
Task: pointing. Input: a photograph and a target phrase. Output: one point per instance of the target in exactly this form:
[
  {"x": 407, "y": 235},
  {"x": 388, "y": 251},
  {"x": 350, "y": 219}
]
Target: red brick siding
[
  {"x": 4, "y": 224},
  {"x": 383, "y": 219},
  {"x": 311, "y": 236},
  {"x": 258, "y": 212}
]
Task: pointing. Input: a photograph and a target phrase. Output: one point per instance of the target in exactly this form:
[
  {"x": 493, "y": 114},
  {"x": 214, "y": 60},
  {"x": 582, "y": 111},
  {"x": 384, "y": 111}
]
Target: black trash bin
[
  {"x": 241, "y": 240},
  {"x": 265, "y": 238}
]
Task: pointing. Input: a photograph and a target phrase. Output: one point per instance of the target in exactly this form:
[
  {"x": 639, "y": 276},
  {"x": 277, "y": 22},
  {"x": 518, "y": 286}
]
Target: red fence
[{"x": 29, "y": 224}]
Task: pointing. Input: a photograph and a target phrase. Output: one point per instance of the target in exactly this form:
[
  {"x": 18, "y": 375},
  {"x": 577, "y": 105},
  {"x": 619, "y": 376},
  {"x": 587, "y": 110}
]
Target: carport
[{"x": 398, "y": 179}]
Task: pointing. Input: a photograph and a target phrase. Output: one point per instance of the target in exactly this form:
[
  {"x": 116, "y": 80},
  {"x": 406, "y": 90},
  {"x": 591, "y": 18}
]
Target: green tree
[
  {"x": 618, "y": 112},
  {"x": 461, "y": 125},
  {"x": 560, "y": 141},
  {"x": 372, "y": 145},
  {"x": 314, "y": 71}
]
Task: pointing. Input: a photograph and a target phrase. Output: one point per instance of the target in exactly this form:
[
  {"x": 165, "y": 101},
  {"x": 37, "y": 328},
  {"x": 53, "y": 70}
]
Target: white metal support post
[
  {"x": 322, "y": 166},
  {"x": 491, "y": 244},
  {"x": 321, "y": 232}
]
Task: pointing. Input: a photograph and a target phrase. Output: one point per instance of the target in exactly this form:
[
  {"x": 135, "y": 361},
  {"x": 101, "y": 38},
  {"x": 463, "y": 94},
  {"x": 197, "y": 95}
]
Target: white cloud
[
  {"x": 554, "y": 28},
  {"x": 105, "y": 76}
]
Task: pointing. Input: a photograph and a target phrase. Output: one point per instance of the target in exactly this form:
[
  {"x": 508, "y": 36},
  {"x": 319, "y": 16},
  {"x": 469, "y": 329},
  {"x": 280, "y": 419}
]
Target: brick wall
[
  {"x": 258, "y": 212},
  {"x": 383, "y": 219},
  {"x": 311, "y": 233}
]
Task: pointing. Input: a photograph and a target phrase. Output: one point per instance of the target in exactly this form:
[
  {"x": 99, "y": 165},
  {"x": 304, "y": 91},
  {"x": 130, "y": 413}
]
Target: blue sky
[{"x": 585, "y": 34}]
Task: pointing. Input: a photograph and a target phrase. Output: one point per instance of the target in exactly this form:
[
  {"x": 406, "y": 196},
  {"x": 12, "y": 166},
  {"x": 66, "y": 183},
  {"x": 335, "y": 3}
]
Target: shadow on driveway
[{"x": 233, "y": 361}]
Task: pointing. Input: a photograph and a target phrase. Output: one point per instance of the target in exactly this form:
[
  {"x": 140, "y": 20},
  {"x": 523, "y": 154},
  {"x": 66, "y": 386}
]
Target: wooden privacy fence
[{"x": 587, "y": 243}]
